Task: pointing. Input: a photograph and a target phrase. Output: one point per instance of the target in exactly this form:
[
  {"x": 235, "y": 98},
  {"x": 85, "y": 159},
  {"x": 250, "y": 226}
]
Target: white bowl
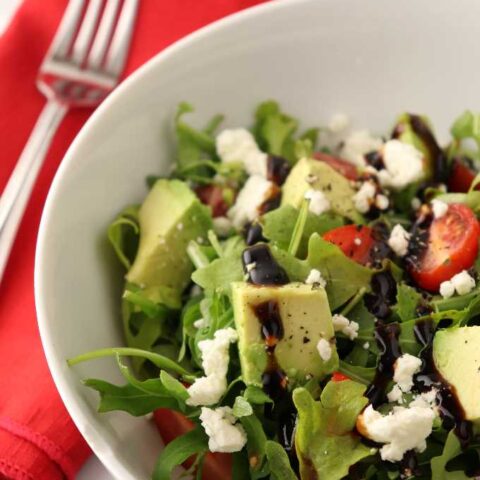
[{"x": 369, "y": 59}]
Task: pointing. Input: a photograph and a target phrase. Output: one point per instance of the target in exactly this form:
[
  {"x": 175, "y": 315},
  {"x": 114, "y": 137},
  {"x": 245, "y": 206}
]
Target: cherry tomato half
[
  {"x": 356, "y": 242},
  {"x": 341, "y": 166},
  {"x": 461, "y": 175},
  {"x": 214, "y": 196},
  {"x": 172, "y": 424},
  {"x": 339, "y": 377},
  {"x": 452, "y": 247}
]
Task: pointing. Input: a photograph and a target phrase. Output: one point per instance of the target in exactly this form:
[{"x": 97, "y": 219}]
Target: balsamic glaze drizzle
[
  {"x": 278, "y": 169},
  {"x": 386, "y": 336},
  {"x": 384, "y": 288},
  {"x": 419, "y": 238},
  {"x": 451, "y": 411},
  {"x": 261, "y": 268},
  {"x": 254, "y": 234}
]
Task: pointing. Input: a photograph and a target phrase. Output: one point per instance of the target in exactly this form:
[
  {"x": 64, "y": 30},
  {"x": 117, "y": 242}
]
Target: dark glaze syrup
[
  {"x": 451, "y": 411},
  {"x": 409, "y": 465},
  {"x": 253, "y": 234},
  {"x": 275, "y": 380},
  {"x": 278, "y": 169},
  {"x": 266, "y": 270},
  {"x": 272, "y": 202},
  {"x": 420, "y": 233},
  {"x": 386, "y": 336},
  {"x": 375, "y": 159},
  {"x": 380, "y": 250},
  {"x": 422, "y": 130},
  {"x": 384, "y": 288}
]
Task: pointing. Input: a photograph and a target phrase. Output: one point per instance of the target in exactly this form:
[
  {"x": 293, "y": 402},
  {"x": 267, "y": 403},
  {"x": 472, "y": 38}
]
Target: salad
[{"x": 305, "y": 303}]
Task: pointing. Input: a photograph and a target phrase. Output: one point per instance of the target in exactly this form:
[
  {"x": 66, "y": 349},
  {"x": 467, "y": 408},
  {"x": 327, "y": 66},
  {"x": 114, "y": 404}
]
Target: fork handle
[{"x": 15, "y": 196}]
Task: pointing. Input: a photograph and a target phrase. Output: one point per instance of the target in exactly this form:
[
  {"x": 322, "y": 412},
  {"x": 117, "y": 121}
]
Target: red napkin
[{"x": 38, "y": 440}]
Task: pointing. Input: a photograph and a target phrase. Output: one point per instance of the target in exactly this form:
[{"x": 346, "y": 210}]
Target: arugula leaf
[
  {"x": 241, "y": 408},
  {"x": 274, "y": 130},
  {"x": 344, "y": 276},
  {"x": 240, "y": 467},
  {"x": 279, "y": 462},
  {"x": 192, "y": 144},
  {"x": 360, "y": 374},
  {"x": 123, "y": 234},
  {"x": 324, "y": 439},
  {"x": 467, "y": 125},
  {"x": 256, "y": 440},
  {"x": 408, "y": 300},
  {"x": 278, "y": 226},
  {"x": 129, "y": 398},
  {"x": 256, "y": 395},
  {"x": 177, "y": 451},
  {"x": 451, "y": 449}
]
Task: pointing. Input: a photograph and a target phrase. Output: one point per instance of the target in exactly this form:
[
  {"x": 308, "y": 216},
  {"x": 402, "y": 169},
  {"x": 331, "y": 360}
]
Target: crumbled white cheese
[
  {"x": 250, "y": 266},
  {"x": 447, "y": 289},
  {"x": 209, "y": 389},
  {"x": 381, "y": 202},
  {"x": 462, "y": 283},
  {"x": 319, "y": 203},
  {"x": 357, "y": 144},
  {"x": 224, "y": 435},
  {"x": 425, "y": 399},
  {"x": 439, "y": 208},
  {"x": 348, "y": 327},
  {"x": 338, "y": 123},
  {"x": 403, "y": 164},
  {"x": 324, "y": 349},
  {"x": 366, "y": 345},
  {"x": 239, "y": 146},
  {"x": 255, "y": 191},
  {"x": 365, "y": 197},
  {"x": 200, "y": 323},
  {"x": 405, "y": 368},
  {"x": 315, "y": 277},
  {"x": 398, "y": 240},
  {"x": 222, "y": 226},
  {"x": 395, "y": 395},
  {"x": 401, "y": 430}
]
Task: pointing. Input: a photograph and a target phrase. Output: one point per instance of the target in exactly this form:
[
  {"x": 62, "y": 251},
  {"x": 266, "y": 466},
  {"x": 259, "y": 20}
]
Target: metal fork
[{"x": 81, "y": 67}]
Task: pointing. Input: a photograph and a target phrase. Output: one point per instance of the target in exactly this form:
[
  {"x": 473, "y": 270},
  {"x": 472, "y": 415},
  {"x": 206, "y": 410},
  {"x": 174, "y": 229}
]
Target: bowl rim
[{"x": 70, "y": 400}]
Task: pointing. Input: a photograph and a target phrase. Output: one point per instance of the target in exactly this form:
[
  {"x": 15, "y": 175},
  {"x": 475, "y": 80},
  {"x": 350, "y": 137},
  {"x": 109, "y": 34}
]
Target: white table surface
[{"x": 93, "y": 469}]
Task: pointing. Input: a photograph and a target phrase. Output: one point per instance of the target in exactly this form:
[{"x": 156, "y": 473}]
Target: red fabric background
[{"x": 38, "y": 440}]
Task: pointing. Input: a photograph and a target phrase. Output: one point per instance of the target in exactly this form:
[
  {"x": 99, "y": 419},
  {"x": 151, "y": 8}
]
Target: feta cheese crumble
[
  {"x": 381, "y": 202},
  {"x": 315, "y": 277},
  {"x": 401, "y": 430},
  {"x": 324, "y": 349},
  {"x": 365, "y": 197},
  {"x": 239, "y": 146},
  {"x": 403, "y": 165},
  {"x": 200, "y": 323},
  {"x": 222, "y": 226},
  {"x": 347, "y": 327},
  {"x": 398, "y": 240},
  {"x": 395, "y": 395},
  {"x": 462, "y": 283},
  {"x": 357, "y": 144},
  {"x": 209, "y": 389},
  {"x": 319, "y": 203},
  {"x": 439, "y": 208},
  {"x": 255, "y": 191},
  {"x": 224, "y": 435},
  {"x": 405, "y": 368}
]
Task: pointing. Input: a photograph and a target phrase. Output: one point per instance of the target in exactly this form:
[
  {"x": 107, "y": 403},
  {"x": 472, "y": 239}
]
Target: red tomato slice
[
  {"x": 461, "y": 176},
  {"x": 341, "y": 166},
  {"x": 452, "y": 247},
  {"x": 356, "y": 242},
  {"x": 213, "y": 195},
  {"x": 172, "y": 424},
  {"x": 339, "y": 377}
]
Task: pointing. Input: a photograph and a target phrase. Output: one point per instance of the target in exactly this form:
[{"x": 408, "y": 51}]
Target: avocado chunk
[
  {"x": 456, "y": 354},
  {"x": 170, "y": 217},
  {"x": 313, "y": 174},
  {"x": 305, "y": 319}
]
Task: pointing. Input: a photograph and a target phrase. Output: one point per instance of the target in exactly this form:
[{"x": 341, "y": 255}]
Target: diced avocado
[
  {"x": 306, "y": 318},
  {"x": 170, "y": 217},
  {"x": 456, "y": 354},
  {"x": 416, "y": 130},
  {"x": 309, "y": 173}
]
